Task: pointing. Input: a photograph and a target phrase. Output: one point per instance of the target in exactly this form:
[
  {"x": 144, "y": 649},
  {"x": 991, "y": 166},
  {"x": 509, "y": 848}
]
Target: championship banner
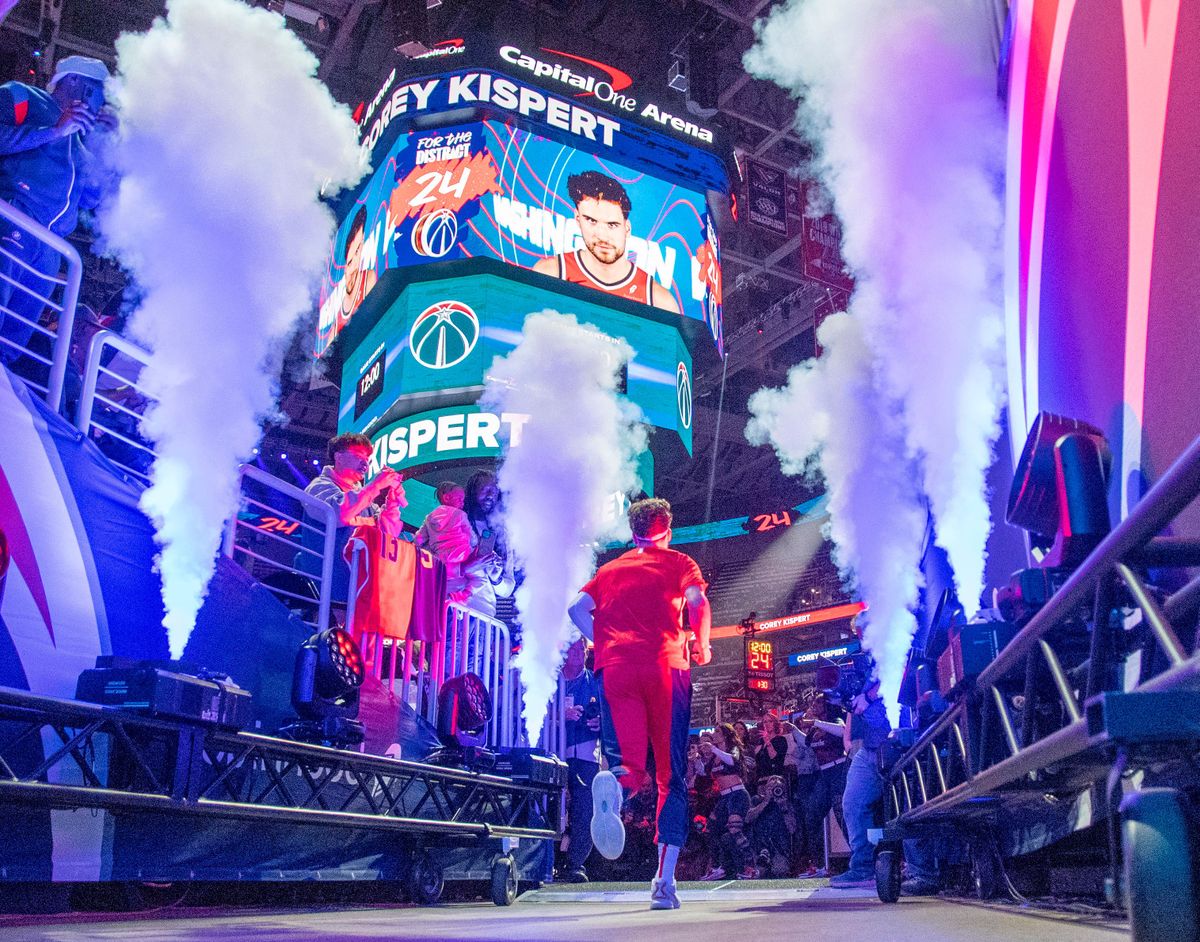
[
  {"x": 766, "y": 203},
  {"x": 821, "y": 249}
]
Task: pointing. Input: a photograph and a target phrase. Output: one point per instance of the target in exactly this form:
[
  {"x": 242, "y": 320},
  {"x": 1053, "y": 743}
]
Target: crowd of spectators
[{"x": 759, "y": 794}]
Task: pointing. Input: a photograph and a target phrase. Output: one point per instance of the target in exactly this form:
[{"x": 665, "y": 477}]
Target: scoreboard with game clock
[{"x": 760, "y": 665}]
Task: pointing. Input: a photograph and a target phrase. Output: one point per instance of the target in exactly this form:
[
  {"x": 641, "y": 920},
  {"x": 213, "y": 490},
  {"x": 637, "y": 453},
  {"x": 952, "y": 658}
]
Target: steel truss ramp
[
  {"x": 118, "y": 761},
  {"x": 1034, "y": 722}
]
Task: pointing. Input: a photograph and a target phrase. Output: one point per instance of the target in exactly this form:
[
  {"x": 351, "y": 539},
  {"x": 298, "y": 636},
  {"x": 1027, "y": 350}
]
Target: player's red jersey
[
  {"x": 386, "y": 578},
  {"x": 633, "y": 287},
  {"x": 639, "y": 607}
]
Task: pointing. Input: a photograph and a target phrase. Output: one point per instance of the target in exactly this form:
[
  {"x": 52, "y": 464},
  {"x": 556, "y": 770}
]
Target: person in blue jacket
[{"x": 44, "y": 172}]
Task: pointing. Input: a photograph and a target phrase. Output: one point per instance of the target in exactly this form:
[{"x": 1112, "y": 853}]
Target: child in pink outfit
[{"x": 446, "y": 532}]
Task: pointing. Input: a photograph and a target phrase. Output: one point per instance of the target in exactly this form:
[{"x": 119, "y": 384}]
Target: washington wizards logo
[
  {"x": 435, "y": 234},
  {"x": 683, "y": 395},
  {"x": 443, "y": 335}
]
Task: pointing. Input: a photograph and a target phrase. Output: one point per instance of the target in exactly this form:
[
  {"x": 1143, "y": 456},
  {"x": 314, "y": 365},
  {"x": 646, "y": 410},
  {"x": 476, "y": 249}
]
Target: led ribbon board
[
  {"x": 442, "y": 336},
  {"x": 497, "y": 190}
]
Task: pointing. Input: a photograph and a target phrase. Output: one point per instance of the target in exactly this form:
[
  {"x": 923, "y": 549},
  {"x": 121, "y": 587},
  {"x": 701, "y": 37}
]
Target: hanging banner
[
  {"x": 765, "y": 201},
  {"x": 821, "y": 247}
]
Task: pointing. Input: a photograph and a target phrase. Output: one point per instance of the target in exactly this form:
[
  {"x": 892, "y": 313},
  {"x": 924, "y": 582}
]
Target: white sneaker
[
  {"x": 608, "y": 830},
  {"x": 663, "y": 895}
]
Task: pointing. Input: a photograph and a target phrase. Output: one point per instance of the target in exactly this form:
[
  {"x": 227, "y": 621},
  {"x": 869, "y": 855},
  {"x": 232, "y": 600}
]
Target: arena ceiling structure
[{"x": 770, "y": 306}]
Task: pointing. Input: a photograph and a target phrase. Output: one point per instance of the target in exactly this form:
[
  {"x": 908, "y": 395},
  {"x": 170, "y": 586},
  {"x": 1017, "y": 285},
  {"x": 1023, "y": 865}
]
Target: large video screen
[
  {"x": 494, "y": 190},
  {"x": 445, "y": 334}
]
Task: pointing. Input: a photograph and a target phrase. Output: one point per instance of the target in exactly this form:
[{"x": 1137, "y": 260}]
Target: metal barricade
[
  {"x": 106, "y": 398},
  {"x": 268, "y": 541},
  {"x": 471, "y": 642},
  {"x": 60, "y": 298}
]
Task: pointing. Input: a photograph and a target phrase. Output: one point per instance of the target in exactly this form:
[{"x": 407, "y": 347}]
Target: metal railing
[
  {"x": 471, "y": 642},
  {"x": 169, "y": 767},
  {"x": 60, "y": 298},
  {"x": 269, "y": 542},
  {"x": 105, "y": 398},
  {"x": 1022, "y": 727}
]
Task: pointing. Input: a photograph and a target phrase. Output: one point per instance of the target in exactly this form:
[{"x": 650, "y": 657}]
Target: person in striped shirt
[{"x": 340, "y": 485}]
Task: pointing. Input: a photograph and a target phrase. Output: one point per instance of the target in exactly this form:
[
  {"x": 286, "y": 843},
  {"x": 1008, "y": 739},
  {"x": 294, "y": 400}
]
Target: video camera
[{"x": 842, "y": 681}]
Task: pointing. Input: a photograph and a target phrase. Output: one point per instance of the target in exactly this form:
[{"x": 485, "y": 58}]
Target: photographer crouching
[
  {"x": 582, "y": 693},
  {"x": 866, "y": 729}
]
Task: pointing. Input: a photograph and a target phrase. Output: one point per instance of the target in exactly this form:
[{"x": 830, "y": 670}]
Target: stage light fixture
[
  {"x": 464, "y": 711},
  {"x": 325, "y": 690},
  {"x": 1059, "y": 495},
  {"x": 1059, "y": 491}
]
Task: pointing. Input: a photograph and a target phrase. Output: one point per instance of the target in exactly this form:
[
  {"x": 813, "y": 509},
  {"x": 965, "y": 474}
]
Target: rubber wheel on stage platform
[
  {"x": 887, "y": 875},
  {"x": 985, "y": 870},
  {"x": 425, "y": 881},
  {"x": 142, "y": 895},
  {"x": 504, "y": 881},
  {"x": 1158, "y": 830}
]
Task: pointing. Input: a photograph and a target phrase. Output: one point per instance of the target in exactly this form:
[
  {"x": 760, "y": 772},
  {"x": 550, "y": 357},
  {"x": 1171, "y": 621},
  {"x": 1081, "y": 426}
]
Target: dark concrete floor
[{"x": 737, "y": 914}]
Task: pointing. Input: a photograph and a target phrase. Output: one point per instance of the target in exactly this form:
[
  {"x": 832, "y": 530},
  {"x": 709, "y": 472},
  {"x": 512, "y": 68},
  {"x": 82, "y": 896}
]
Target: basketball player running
[
  {"x": 633, "y": 610},
  {"x": 602, "y": 212}
]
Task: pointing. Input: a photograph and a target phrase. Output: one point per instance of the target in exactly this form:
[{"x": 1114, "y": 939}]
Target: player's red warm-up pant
[{"x": 649, "y": 704}]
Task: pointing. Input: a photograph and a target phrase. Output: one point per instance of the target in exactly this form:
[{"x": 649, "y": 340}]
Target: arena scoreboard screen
[
  {"x": 760, "y": 665},
  {"x": 492, "y": 189},
  {"x": 434, "y": 345}
]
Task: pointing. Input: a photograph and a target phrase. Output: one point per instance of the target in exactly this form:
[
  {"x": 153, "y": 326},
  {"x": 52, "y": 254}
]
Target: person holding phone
[{"x": 340, "y": 484}]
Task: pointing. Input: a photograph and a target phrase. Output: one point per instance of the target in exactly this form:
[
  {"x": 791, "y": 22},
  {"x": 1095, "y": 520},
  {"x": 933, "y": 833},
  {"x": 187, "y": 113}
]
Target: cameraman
[
  {"x": 866, "y": 729},
  {"x": 583, "y": 732},
  {"x": 773, "y": 827}
]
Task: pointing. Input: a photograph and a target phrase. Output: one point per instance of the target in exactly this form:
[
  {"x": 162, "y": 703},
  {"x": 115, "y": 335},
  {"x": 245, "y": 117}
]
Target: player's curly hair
[
  {"x": 346, "y": 441},
  {"x": 649, "y": 516},
  {"x": 592, "y": 184}
]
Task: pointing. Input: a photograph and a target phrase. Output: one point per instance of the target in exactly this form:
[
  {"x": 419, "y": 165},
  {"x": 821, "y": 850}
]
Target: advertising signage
[
  {"x": 494, "y": 190},
  {"x": 460, "y": 433},
  {"x": 579, "y": 75},
  {"x": 809, "y": 659},
  {"x": 439, "y": 338}
]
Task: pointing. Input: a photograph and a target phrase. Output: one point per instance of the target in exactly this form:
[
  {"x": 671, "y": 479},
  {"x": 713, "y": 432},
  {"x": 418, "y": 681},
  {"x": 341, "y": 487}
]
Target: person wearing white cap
[{"x": 44, "y": 161}]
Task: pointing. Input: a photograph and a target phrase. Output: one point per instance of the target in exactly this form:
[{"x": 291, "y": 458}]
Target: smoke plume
[
  {"x": 899, "y": 100},
  {"x": 578, "y": 449},
  {"x": 876, "y": 515},
  {"x": 226, "y": 139}
]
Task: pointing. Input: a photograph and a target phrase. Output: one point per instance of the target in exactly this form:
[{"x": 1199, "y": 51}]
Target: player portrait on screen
[
  {"x": 357, "y": 279},
  {"x": 602, "y": 210}
]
